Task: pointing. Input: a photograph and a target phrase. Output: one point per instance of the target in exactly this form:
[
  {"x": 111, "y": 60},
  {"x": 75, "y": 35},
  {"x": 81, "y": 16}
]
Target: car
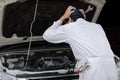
[{"x": 24, "y": 54}]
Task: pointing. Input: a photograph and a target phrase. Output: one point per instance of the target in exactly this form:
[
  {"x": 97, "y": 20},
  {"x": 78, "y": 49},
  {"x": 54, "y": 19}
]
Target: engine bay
[
  {"x": 43, "y": 58},
  {"x": 39, "y": 61}
]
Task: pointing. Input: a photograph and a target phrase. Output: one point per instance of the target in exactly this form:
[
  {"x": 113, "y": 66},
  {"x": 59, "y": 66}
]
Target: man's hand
[
  {"x": 82, "y": 64},
  {"x": 67, "y": 13}
]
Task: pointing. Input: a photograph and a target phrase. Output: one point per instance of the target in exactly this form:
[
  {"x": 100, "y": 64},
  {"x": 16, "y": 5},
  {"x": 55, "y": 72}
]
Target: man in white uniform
[{"x": 88, "y": 42}]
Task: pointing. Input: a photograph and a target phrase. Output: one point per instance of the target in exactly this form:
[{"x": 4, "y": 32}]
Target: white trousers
[{"x": 100, "y": 69}]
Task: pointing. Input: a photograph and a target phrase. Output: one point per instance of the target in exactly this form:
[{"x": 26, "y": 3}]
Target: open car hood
[{"x": 16, "y": 17}]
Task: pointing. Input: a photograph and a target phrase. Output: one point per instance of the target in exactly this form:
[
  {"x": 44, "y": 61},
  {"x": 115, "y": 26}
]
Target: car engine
[
  {"x": 40, "y": 59},
  {"x": 39, "y": 62}
]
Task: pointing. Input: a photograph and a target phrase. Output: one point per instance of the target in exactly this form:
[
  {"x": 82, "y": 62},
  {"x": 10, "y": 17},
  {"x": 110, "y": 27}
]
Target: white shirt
[{"x": 86, "y": 39}]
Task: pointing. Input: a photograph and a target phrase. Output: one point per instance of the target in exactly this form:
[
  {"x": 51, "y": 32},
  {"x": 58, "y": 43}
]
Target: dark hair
[{"x": 76, "y": 14}]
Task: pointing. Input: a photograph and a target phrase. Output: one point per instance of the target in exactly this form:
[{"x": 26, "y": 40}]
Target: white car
[{"x": 24, "y": 55}]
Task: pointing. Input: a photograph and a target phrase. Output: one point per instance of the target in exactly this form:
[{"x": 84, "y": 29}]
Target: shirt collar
[{"x": 81, "y": 20}]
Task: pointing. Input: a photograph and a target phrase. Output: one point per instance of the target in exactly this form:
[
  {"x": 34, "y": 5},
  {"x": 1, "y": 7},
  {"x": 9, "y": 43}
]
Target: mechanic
[{"x": 88, "y": 42}]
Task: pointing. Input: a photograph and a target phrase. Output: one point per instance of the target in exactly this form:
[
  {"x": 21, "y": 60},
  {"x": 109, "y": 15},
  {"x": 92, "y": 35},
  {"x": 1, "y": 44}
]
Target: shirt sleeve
[{"x": 55, "y": 33}]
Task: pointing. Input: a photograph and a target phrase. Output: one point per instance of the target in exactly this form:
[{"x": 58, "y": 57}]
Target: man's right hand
[
  {"x": 82, "y": 64},
  {"x": 67, "y": 13}
]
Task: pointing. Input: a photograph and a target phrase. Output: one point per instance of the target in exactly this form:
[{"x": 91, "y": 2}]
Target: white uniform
[{"x": 87, "y": 40}]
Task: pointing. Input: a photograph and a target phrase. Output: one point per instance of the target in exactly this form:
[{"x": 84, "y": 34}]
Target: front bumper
[{"x": 46, "y": 76}]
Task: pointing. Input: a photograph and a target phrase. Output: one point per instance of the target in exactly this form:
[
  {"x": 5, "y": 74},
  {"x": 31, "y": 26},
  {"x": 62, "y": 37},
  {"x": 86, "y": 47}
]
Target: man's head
[
  {"x": 77, "y": 14},
  {"x": 72, "y": 14}
]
